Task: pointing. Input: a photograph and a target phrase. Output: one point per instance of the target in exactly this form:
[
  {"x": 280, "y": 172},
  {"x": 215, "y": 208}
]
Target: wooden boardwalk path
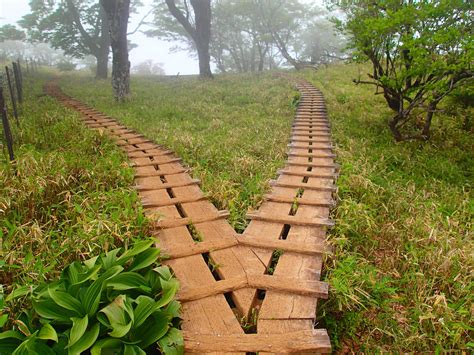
[{"x": 250, "y": 292}]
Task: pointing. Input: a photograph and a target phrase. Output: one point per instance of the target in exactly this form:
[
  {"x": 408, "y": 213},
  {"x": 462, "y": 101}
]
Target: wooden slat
[
  {"x": 262, "y": 282},
  {"x": 315, "y": 340},
  {"x": 291, "y": 247},
  {"x": 291, "y": 220},
  {"x": 312, "y": 155},
  {"x": 156, "y": 162},
  {"x": 158, "y": 173},
  {"x": 302, "y": 185},
  {"x": 168, "y": 185},
  {"x": 300, "y": 201},
  {"x": 178, "y": 222},
  {"x": 172, "y": 201},
  {"x": 308, "y": 174}
]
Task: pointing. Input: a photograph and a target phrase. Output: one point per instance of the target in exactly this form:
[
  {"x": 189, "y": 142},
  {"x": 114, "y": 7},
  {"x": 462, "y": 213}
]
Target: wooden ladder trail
[{"x": 250, "y": 292}]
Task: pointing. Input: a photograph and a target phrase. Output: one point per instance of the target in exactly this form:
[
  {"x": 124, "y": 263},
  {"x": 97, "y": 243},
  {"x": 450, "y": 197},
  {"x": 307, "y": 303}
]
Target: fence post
[
  {"x": 12, "y": 94},
  {"x": 17, "y": 82},
  {"x": 6, "y": 126},
  {"x": 21, "y": 74}
]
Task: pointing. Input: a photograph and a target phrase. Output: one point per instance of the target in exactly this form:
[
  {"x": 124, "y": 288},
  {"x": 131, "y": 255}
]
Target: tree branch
[
  {"x": 142, "y": 21},
  {"x": 77, "y": 20},
  {"x": 178, "y": 15}
]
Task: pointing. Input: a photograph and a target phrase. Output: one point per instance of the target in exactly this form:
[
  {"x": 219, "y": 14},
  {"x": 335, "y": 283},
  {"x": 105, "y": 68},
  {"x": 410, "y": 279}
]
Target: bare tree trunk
[
  {"x": 201, "y": 33},
  {"x": 393, "y": 125},
  {"x": 102, "y": 68},
  {"x": 104, "y": 47},
  {"x": 202, "y": 13},
  {"x": 429, "y": 117},
  {"x": 117, "y": 14}
]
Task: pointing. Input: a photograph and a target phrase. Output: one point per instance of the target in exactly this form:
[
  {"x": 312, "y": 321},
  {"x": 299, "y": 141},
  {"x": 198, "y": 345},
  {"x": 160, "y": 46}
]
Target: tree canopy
[
  {"x": 77, "y": 27},
  {"x": 420, "y": 51}
]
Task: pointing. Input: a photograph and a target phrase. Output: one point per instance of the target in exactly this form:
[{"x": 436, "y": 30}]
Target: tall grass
[
  {"x": 232, "y": 130},
  {"x": 401, "y": 277},
  {"x": 68, "y": 197}
]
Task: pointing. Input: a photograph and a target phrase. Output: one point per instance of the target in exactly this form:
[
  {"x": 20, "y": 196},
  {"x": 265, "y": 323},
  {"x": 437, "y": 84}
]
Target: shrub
[{"x": 121, "y": 301}]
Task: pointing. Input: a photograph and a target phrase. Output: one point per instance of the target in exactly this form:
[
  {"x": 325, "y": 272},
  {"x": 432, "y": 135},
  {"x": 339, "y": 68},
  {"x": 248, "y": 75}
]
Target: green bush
[{"x": 120, "y": 302}]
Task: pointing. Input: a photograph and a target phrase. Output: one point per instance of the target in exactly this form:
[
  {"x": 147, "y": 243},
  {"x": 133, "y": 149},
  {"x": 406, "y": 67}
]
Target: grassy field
[
  {"x": 232, "y": 131},
  {"x": 69, "y": 197},
  {"x": 401, "y": 276}
]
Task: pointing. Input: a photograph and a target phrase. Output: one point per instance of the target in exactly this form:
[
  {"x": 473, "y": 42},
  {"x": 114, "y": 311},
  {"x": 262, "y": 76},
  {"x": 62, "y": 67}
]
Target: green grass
[
  {"x": 401, "y": 273},
  {"x": 401, "y": 276},
  {"x": 69, "y": 198},
  {"x": 232, "y": 131}
]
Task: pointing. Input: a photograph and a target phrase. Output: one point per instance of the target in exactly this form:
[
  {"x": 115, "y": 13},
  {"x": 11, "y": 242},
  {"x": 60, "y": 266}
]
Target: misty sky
[{"x": 148, "y": 48}]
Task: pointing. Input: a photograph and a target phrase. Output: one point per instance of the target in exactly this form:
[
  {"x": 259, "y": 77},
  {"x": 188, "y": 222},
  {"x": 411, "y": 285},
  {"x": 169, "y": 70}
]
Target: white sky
[{"x": 148, "y": 48}]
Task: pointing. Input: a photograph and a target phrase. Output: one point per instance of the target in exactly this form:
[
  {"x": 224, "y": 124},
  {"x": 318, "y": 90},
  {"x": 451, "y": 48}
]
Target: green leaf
[
  {"x": 138, "y": 248},
  {"x": 3, "y": 320},
  {"x": 50, "y": 310},
  {"x": 90, "y": 263},
  {"x": 120, "y": 316},
  {"x": 25, "y": 347},
  {"x": 132, "y": 350},
  {"x": 164, "y": 272},
  {"x": 172, "y": 343},
  {"x": 108, "y": 343},
  {"x": 128, "y": 280},
  {"x": 86, "y": 341},
  {"x": 79, "y": 326},
  {"x": 20, "y": 291},
  {"x": 145, "y": 259},
  {"x": 169, "y": 287},
  {"x": 145, "y": 307},
  {"x": 152, "y": 330},
  {"x": 11, "y": 334},
  {"x": 22, "y": 327},
  {"x": 47, "y": 332},
  {"x": 110, "y": 259},
  {"x": 172, "y": 309},
  {"x": 65, "y": 300},
  {"x": 91, "y": 298}
]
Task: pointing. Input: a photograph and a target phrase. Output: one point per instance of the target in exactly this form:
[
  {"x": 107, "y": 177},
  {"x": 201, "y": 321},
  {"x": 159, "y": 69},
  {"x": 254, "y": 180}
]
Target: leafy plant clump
[{"x": 120, "y": 302}]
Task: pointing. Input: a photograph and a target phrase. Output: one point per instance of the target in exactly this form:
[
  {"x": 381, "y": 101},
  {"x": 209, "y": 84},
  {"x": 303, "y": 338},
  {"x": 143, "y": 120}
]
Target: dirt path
[{"x": 240, "y": 293}]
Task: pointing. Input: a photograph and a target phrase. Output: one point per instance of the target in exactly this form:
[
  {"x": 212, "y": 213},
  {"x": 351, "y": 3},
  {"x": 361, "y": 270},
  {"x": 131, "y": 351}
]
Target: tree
[
  {"x": 420, "y": 51},
  {"x": 148, "y": 67},
  {"x": 195, "y": 27},
  {"x": 285, "y": 20},
  {"x": 239, "y": 42},
  {"x": 77, "y": 27},
  {"x": 118, "y": 12},
  {"x": 11, "y": 33}
]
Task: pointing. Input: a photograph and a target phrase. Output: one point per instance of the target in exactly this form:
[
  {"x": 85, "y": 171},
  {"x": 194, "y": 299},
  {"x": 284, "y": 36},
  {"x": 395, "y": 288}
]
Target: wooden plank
[
  {"x": 290, "y": 247},
  {"x": 178, "y": 222},
  {"x": 156, "y": 162},
  {"x": 302, "y": 185},
  {"x": 311, "y": 340},
  {"x": 308, "y": 174},
  {"x": 312, "y": 155},
  {"x": 172, "y": 201},
  {"x": 299, "y": 200},
  {"x": 263, "y": 282},
  {"x": 291, "y": 220},
  {"x": 149, "y": 187}
]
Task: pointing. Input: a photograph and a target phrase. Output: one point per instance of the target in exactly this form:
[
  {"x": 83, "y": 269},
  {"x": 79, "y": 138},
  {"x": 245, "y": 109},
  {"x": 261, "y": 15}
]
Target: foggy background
[{"x": 148, "y": 48}]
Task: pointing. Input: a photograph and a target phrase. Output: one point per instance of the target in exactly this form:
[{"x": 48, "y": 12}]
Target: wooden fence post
[
  {"x": 6, "y": 126},
  {"x": 12, "y": 94},
  {"x": 17, "y": 82}
]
